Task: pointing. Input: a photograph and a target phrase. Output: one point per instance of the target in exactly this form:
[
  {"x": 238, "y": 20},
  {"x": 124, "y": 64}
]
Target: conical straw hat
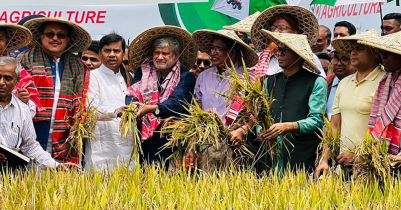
[
  {"x": 80, "y": 39},
  {"x": 140, "y": 47},
  {"x": 244, "y": 25},
  {"x": 307, "y": 21},
  {"x": 390, "y": 43},
  {"x": 204, "y": 38},
  {"x": 297, "y": 43},
  {"x": 343, "y": 44},
  {"x": 17, "y": 36}
]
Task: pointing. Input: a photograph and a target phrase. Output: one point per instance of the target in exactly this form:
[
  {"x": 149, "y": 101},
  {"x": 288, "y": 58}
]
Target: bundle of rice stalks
[
  {"x": 330, "y": 140},
  {"x": 372, "y": 160},
  {"x": 82, "y": 126},
  {"x": 128, "y": 125},
  {"x": 249, "y": 90},
  {"x": 196, "y": 128}
]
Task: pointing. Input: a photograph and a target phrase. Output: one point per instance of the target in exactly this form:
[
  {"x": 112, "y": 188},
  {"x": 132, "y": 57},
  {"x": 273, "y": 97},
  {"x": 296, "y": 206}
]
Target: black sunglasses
[
  {"x": 206, "y": 62},
  {"x": 92, "y": 59},
  {"x": 50, "y": 35},
  {"x": 281, "y": 50},
  {"x": 125, "y": 62}
]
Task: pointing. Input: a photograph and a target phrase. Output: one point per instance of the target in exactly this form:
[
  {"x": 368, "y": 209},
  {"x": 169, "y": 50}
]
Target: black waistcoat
[{"x": 291, "y": 96}]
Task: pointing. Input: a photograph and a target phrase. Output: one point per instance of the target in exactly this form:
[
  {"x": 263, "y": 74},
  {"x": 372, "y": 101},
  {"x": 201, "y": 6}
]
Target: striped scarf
[
  {"x": 147, "y": 91},
  {"x": 385, "y": 115},
  {"x": 264, "y": 60},
  {"x": 74, "y": 87}
]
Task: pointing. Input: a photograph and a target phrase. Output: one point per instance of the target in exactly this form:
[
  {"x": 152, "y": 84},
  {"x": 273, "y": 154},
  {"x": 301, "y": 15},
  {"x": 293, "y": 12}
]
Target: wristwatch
[{"x": 157, "y": 111}]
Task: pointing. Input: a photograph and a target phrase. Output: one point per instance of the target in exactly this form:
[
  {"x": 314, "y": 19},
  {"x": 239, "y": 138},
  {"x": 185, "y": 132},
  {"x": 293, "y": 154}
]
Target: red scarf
[
  {"x": 385, "y": 115},
  {"x": 148, "y": 90},
  {"x": 26, "y": 82}
]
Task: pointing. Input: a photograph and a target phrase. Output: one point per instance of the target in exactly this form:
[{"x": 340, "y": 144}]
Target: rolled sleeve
[{"x": 317, "y": 108}]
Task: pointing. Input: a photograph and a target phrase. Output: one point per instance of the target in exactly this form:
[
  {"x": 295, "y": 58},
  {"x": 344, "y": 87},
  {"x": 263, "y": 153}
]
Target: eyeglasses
[
  {"x": 206, "y": 62},
  {"x": 344, "y": 61},
  {"x": 280, "y": 51},
  {"x": 280, "y": 28},
  {"x": 125, "y": 62},
  {"x": 217, "y": 49},
  {"x": 50, "y": 35},
  {"x": 92, "y": 59}
]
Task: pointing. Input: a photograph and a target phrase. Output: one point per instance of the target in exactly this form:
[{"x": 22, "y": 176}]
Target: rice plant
[
  {"x": 372, "y": 161},
  {"x": 330, "y": 141},
  {"x": 148, "y": 187},
  {"x": 248, "y": 90},
  {"x": 129, "y": 126},
  {"x": 82, "y": 126},
  {"x": 196, "y": 128}
]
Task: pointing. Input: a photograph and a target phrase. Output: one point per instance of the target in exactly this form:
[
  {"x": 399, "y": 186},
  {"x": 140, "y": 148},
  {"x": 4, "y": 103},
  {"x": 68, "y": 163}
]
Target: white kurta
[{"x": 107, "y": 93}]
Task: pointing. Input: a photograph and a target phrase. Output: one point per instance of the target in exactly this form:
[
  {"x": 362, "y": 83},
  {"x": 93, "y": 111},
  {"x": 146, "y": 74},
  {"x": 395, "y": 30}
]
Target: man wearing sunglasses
[
  {"x": 61, "y": 78},
  {"x": 283, "y": 19},
  {"x": 202, "y": 63},
  {"x": 91, "y": 56},
  {"x": 342, "y": 68}
]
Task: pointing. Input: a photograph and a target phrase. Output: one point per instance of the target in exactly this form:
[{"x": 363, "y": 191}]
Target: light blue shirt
[{"x": 330, "y": 100}]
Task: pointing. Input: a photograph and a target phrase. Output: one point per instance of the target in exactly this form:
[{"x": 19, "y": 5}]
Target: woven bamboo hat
[
  {"x": 80, "y": 39},
  {"x": 140, "y": 47},
  {"x": 244, "y": 25},
  {"x": 343, "y": 44},
  {"x": 204, "y": 38},
  {"x": 17, "y": 36},
  {"x": 297, "y": 43},
  {"x": 307, "y": 22},
  {"x": 390, "y": 43}
]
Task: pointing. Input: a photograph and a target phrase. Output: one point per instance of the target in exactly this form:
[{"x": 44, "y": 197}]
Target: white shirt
[
  {"x": 107, "y": 93},
  {"x": 274, "y": 68},
  {"x": 18, "y": 133}
]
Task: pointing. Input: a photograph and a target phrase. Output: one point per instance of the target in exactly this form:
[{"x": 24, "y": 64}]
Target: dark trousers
[{"x": 153, "y": 151}]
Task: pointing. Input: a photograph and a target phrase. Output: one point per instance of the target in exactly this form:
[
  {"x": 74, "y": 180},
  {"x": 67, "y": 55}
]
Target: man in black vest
[{"x": 299, "y": 101}]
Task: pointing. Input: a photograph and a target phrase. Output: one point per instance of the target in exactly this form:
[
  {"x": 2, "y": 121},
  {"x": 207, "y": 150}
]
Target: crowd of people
[{"x": 355, "y": 84}]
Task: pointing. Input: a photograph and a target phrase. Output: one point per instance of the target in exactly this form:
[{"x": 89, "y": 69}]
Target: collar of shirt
[
  {"x": 371, "y": 76},
  {"x": 12, "y": 103},
  {"x": 108, "y": 71},
  {"x": 336, "y": 81}
]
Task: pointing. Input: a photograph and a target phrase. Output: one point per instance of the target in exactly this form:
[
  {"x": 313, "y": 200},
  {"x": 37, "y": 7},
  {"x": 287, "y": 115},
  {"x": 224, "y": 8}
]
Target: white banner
[
  {"x": 363, "y": 16},
  {"x": 126, "y": 20},
  {"x": 88, "y": 2}
]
